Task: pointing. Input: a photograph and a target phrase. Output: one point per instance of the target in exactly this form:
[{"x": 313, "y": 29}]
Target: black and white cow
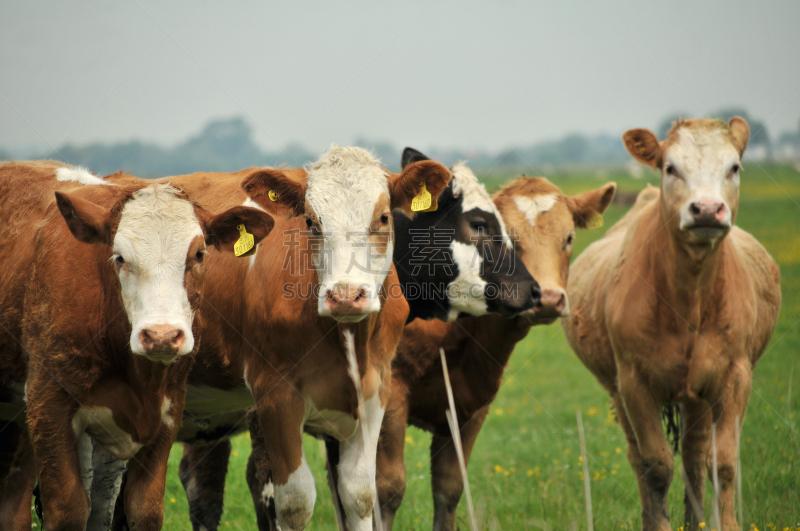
[{"x": 458, "y": 260}]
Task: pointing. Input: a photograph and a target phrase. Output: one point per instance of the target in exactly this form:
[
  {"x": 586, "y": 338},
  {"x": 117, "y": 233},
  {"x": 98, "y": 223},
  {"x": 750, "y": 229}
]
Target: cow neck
[
  {"x": 496, "y": 338},
  {"x": 685, "y": 277}
]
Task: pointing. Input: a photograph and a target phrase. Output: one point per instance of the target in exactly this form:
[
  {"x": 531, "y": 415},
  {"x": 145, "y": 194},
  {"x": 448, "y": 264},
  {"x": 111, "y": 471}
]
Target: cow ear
[
  {"x": 275, "y": 191},
  {"x": 410, "y": 156},
  {"x": 588, "y": 206},
  {"x": 740, "y": 133},
  {"x": 222, "y": 230},
  {"x": 643, "y": 145},
  {"x": 407, "y": 185},
  {"x": 88, "y": 222}
]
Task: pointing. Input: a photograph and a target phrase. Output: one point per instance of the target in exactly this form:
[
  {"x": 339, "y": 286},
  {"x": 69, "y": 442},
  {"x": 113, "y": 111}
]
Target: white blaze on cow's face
[
  {"x": 349, "y": 211},
  {"x": 699, "y": 163},
  {"x": 701, "y": 173},
  {"x": 157, "y": 242}
]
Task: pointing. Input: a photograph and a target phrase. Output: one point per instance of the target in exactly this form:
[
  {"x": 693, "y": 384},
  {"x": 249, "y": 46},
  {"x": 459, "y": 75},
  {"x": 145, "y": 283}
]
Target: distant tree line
[{"x": 228, "y": 145}]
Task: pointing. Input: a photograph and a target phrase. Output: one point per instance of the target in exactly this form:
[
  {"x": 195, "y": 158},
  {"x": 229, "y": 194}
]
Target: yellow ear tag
[
  {"x": 422, "y": 202},
  {"x": 273, "y": 196},
  {"x": 595, "y": 221},
  {"x": 246, "y": 244}
]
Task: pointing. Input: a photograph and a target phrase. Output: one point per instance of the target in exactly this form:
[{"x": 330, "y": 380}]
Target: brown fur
[
  {"x": 657, "y": 325},
  {"x": 290, "y": 352},
  {"x": 405, "y": 186},
  {"x": 67, "y": 337}
]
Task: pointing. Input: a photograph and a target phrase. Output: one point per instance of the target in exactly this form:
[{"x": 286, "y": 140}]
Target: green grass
[{"x": 525, "y": 468}]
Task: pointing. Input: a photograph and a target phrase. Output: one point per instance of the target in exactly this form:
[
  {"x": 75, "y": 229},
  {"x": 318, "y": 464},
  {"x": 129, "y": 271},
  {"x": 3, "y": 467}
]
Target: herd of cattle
[{"x": 138, "y": 313}]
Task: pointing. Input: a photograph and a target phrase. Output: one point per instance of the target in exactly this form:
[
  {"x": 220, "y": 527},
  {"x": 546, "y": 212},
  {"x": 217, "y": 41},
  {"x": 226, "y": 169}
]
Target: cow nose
[
  {"x": 344, "y": 300},
  {"x": 162, "y": 338},
  {"x": 708, "y": 212},
  {"x": 552, "y": 303}
]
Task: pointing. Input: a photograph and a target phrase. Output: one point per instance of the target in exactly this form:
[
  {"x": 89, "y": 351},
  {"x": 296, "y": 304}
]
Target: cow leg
[
  {"x": 281, "y": 410},
  {"x": 734, "y": 394},
  {"x": 259, "y": 476},
  {"x": 202, "y": 473},
  {"x": 64, "y": 497},
  {"x": 447, "y": 482},
  {"x": 146, "y": 482},
  {"x": 634, "y": 457},
  {"x": 390, "y": 476},
  {"x": 644, "y": 415},
  {"x": 695, "y": 438},
  {"x": 356, "y": 470},
  {"x": 15, "y": 507},
  {"x": 107, "y": 472}
]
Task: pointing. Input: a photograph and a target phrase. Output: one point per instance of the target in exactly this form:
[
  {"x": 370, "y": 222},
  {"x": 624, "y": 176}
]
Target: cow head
[
  {"x": 700, "y": 161},
  {"x": 542, "y": 222},
  {"x": 347, "y": 200},
  {"x": 158, "y": 241},
  {"x": 457, "y": 260}
]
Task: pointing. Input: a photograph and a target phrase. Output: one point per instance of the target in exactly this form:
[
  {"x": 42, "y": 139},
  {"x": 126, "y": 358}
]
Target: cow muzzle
[
  {"x": 516, "y": 297},
  {"x": 162, "y": 343},
  {"x": 551, "y": 306},
  {"x": 346, "y": 303},
  {"x": 706, "y": 219}
]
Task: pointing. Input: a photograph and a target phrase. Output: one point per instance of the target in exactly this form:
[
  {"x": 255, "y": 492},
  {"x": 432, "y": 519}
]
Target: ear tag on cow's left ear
[
  {"x": 246, "y": 244},
  {"x": 422, "y": 202},
  {"x": 595, "y": 221},
  {"x": 273, "y": 195}
]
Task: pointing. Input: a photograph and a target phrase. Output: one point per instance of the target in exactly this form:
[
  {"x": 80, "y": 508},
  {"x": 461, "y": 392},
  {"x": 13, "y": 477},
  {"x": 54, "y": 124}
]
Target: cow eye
[
  {"x": 384, "y": 219},
  {"x": 670, "y": 169},
  {"x": 736, "y": 168},
  {"x": 199, "y": 256},
  {"x": 570, "y": 238},
  {"x": 119, "y": 260},
  {"x": 312, "y": 227},
  {"x": 478, "y": 225}
]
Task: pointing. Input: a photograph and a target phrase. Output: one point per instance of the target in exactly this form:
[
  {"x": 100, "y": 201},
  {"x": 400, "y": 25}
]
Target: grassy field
[{"x": 525, "y": 470}]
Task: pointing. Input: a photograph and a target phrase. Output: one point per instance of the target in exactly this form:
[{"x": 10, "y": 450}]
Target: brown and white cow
[
  {"x": 100, "y": 280},
  {"x": 675, "y": 305},
  {"x": 275, "y": 326},
  {"x": 542, "y": 221}
]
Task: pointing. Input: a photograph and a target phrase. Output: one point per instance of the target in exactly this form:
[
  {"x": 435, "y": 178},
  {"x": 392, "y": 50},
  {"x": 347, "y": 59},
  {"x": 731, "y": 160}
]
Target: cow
[
  {"x": 673, "y": 307},
  {"x": 100, "y": 279},
  {"x": 275, "y": 325},
  {"x": 543, "y": 220},
  {"x": 463, "y": 248},
  {"x": 472, "y": 254}
]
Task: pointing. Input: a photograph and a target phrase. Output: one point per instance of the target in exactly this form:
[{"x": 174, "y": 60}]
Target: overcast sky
[{"x": 429, "y": 73}]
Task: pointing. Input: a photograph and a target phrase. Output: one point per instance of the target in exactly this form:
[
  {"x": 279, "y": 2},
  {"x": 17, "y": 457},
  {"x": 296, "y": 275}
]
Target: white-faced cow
[
  {"x": 97, "y": 326},
  {"x": 205, "y": 483},
  {"x": 541, "y": 221},
  {"x": 675, "y": 305},
  {"x": 275, "y": 326}
]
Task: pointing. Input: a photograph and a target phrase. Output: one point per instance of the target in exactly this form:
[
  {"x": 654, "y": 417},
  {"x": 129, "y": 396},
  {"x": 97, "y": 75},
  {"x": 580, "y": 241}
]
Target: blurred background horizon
[{"x": 166, "y": 88}]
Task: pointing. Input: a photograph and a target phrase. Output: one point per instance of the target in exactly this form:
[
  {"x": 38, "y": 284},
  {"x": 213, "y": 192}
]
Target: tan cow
[
  {"x": 675, "y": 305},
  {"x": 98, "y": 328},
  {"x": 542, "y": 222},
  {"x": 277, "y": 323}
]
